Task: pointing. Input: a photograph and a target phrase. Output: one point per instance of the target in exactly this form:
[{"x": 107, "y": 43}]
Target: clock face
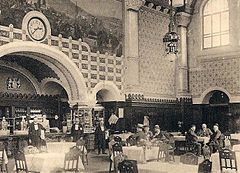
[{"x": 37, "y": 29}]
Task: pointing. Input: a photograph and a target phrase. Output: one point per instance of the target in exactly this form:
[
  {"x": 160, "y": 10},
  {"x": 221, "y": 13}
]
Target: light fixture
[{"x": 171, "y": 38}]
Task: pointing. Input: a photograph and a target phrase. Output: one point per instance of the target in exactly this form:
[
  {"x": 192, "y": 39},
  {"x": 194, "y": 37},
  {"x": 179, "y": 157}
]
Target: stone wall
[{"x": 157, "y": 73}]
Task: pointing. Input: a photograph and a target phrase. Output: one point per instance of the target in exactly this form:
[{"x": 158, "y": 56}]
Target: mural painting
[{"x": 99, "y": 23}]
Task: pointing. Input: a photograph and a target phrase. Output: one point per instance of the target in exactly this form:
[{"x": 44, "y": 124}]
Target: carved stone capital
[
  {"x": 134, "y": 4},
  {"x": 183, "y": 19}
]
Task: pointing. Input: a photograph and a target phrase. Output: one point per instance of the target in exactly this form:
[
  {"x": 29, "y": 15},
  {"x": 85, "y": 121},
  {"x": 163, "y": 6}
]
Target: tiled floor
[{"x": 100, "y": 164}]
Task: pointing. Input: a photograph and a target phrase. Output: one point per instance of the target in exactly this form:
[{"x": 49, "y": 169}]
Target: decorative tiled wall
[
  {"x": 216, "y": 72},
  {"x": 157, "y": 73}
]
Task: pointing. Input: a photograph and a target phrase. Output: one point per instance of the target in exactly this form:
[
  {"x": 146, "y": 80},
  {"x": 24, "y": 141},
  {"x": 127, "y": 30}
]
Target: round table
[{"x": 59, "y": 147}]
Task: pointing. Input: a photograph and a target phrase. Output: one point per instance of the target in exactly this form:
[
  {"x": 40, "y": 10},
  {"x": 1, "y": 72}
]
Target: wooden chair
[
  {"x": 21, "y": 164},
  {"x": 227, "y": 159},
  {"x": 189, "y": 158},
  {"x": 131, "y": 141},
  {"x": 118, "y": 139},
  {"x": 3, "y": 165},
  {"x": 81, "y": 144},
  {"x": 71, "y": 160},
  {"x": 116, "y": 150},
  {"x": 163, "y": 151},
  {"x": 205, "y": 166},
  {"x": 128, "y": 166}
]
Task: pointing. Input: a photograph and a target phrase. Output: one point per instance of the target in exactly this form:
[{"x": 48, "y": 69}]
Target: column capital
[
  {"x": 134, "y": 4},
  {"x": 183, "y": 19}
]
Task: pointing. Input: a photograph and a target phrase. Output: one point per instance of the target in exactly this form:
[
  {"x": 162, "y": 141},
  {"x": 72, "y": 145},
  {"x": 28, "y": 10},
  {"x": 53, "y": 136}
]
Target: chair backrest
[
  {"x": 81, "y": 145},
  {"x": 128, "y": 166},
  {"x": 1, "y": 155},
  {"x": 189, "y": 158},
  {"x": 117, "y": 139},
  {"x": 131, "y": 141},
  {"x": 227, "y": 159},
  {"x": 205, "y": 166},
  {"x": 117, "y": 149},
  {"x": 71, "y": 159},
  {"x": 227, "y": 135},
  {"x": 20, "y": 161}
]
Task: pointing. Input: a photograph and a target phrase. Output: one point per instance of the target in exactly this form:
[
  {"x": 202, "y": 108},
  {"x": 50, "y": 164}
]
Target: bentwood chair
[
  {"x": 205, "y": 166},
  {"x": 71, "y": 160},
  {"x": 128, "y": 166},
  {"x": 3, "y": 165},
  {"x": 21, "y": 164},
  {"x": 116, "y": 150},
  {"x": 227, "y": 159},
  {"x": 163, "y": 152},
  {"x": 81, "y": 144}
]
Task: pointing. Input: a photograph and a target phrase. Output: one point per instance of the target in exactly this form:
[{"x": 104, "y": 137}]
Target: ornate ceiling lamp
[{"x": 171, "y": 38}]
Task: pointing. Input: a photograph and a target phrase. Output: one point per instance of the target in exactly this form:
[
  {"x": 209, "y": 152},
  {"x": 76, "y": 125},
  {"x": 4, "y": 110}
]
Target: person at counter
[
  {"x": 191, "y": 138},
  {"x": 36, "y": 131},
  {"x": 56, "y": 123},
  {"x": 4, "y": 123},
  {"x": 100, "y": 136},
  {"x": 205, "y": 131},
  {"x": 45, "y": 123},
  {"x": 77, "y": 130}
]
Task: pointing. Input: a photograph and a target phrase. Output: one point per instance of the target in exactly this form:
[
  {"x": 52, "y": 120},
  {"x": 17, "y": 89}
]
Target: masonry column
[
  {"x": 131, "y": 44},
  {"x": 183, "y": 20}
]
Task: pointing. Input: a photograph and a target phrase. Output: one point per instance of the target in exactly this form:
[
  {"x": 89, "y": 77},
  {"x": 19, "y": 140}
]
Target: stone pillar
[
  {"x": 131, "y": 44},
  {"x": 183, "y": 19}
]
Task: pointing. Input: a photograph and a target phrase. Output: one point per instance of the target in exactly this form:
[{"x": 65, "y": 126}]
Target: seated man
[
  {"x": 158, "y": 134},
  {"x": 205, "y": 131},
  {"x": 192, "y": 138},
  {"x": 215, "y": 139},
  {"x": 139, "y": 135}
]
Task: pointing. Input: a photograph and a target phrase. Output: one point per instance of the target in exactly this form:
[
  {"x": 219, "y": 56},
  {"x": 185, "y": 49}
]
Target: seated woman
[
  {"x": 139, "y": 135},
  {"x": 205, "y": 131}
]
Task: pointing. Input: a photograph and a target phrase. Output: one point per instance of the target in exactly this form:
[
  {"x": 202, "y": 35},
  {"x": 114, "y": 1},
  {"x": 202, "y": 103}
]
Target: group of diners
[{"x": 215, "y": 138}]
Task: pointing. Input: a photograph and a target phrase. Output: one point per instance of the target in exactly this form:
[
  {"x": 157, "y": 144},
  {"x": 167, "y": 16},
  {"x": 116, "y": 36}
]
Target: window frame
[{"x": 212, "y": 34}]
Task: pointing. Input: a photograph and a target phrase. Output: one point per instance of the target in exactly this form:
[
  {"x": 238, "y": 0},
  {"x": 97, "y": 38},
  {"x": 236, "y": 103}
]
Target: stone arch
[
  {"x": 205, "y": 96},
  {"x": 109, "y": 89},
  {"x": 71, "y": 75}
]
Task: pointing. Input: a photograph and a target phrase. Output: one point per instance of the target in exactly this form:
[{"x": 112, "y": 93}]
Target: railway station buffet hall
[{"x": 128, "y": 86}]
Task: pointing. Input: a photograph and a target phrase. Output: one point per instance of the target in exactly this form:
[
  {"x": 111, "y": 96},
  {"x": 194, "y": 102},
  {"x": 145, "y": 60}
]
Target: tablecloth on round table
[
  {"x": 235, "y": 136},
  {"x": 200, "y": 139},
  {"x": 47, "y": 162},
  {"x": 59, "y": 147},
  {"x": 137, "y": 153}
]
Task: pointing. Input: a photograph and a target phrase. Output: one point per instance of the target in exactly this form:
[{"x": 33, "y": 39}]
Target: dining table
[
  {"x": 60, "y": 147},
  {"x": 48, "y": 162},
  {"x": 5, "y": 158},
  {"x": 141, "y": 154}
]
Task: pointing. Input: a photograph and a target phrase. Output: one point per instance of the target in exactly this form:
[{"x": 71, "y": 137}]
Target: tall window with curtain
[{"x": 215, "y": 23}]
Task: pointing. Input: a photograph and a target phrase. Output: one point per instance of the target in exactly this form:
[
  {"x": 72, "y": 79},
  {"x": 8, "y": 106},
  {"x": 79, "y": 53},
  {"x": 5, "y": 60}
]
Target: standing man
[
  {"x": 100, "y": 136},
  {"x": 77, "y": 130},
  {"x": 192, "y": 138},
  {"x": 35, "y": 133}
]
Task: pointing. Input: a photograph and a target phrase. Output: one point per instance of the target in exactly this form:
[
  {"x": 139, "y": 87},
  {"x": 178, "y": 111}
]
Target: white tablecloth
[
  {"x": 235, "y": 136},
  {"x": 137, "y": 153},
  {"x": 47, "y": 162},
  {"x": 200, "y": 139},
  {"x": 5, "y": 158},
  {"x": 59, "y": 147},
  {"x": 216, "y": 163}
]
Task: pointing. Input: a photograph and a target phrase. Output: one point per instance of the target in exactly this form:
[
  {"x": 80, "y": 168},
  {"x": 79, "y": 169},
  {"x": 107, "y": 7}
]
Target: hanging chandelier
[{"x": 171, "y": 38}]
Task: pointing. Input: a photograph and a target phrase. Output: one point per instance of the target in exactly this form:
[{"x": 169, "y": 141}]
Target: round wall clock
[{"x": 37, "y": 29}]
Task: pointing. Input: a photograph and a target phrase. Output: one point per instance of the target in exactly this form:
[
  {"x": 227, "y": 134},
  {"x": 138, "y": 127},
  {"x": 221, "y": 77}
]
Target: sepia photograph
[{"x": 119, "y": 86}]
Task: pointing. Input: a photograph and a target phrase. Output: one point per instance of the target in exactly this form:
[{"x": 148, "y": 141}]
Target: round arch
[
  {"x": 76, "y": 82},
  {"x": 205, "y": 96},
  {"x": 112, "y": 91}
]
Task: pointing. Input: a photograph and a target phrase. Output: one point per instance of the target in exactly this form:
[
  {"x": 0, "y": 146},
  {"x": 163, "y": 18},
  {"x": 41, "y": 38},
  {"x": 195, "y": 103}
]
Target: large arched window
[{"x": 215, "y": 23}]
